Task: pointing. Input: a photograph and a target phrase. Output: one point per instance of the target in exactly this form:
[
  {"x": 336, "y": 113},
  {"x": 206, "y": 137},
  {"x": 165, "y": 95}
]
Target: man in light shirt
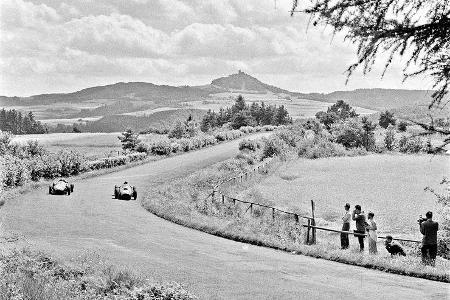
[{"x": 345, "y": 226}]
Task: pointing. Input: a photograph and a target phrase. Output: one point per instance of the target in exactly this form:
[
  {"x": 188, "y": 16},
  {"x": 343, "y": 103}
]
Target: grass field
[
  {"x": 391, "y": 186},
  {"x": 297, "y": 108},
  {"x": 92, "y": 145}
]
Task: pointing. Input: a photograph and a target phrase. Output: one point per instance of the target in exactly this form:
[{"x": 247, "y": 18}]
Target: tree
[
  {"x": 386, "y": 118},
  {"x": 129, "y": 140},
  {"x": 417, "y": 30},
  {"x": 350, "y": 133},
  {"x": 339, "y": 111},
  {"x": 402, "y": 126},
  {"x": 178, "y": 130},
  {"x": 239, "y": 105},
  {"x": 369, "y": 136}
]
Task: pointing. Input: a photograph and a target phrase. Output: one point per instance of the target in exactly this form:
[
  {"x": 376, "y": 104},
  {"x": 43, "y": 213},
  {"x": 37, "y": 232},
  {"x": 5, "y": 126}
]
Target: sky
[{"x": 49, "y": 46}]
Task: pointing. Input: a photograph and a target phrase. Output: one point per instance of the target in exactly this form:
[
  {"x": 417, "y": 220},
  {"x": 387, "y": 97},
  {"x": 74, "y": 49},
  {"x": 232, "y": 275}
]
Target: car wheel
[
  {"x": 71, "y": 188},
  {"x": 135, "y": 196},
  {"x": 50, "y": 190}
]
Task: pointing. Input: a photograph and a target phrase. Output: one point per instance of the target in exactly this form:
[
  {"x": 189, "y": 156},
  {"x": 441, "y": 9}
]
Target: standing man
[
  {"x": 345, "y": 227},
  {"x": 429, "y": 229},
  {"x": 360, "y": 220}
]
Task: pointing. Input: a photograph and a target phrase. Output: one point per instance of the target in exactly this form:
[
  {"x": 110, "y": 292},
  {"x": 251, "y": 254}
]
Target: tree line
[
  {"x": 241, "y": 114},
  {"x": 17, "y": 123}
]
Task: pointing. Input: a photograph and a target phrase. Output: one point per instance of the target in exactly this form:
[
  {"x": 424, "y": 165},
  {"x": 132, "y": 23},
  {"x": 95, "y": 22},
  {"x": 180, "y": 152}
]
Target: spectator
[
  {"x": 372, "y": 233},
  {"x": 345, "y": 227},
  {"x": 393, "y": 248},
  {"x": 360, "y": 220},
  {"x": 429, "y": 229}
]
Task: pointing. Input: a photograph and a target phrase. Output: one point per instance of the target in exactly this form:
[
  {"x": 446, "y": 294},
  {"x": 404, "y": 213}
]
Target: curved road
[{"x": 209, "y": 266}]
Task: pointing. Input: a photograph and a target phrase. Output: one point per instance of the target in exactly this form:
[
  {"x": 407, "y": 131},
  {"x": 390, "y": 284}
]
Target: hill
[
  {"x": 135, "y": 91},
  {"x": 377, "y": 99},
  {"x": 244, "y": 82}
]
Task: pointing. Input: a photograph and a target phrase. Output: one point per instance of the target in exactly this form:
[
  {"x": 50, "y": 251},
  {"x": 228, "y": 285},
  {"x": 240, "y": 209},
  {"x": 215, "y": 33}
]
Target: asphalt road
[{"x": 211, "y": 267}]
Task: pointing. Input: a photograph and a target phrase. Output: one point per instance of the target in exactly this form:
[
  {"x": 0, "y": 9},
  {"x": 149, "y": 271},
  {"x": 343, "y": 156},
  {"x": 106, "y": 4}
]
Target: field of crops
[
  {"x": 391, "y": 186},
  {"x": 92, "y": 145}
]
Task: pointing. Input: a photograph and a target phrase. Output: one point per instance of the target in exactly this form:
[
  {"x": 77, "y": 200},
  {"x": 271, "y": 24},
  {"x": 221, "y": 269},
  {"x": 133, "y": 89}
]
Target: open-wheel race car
[
  {"x": 125, "y": 191},
  {"x": 60, "y": 187}
]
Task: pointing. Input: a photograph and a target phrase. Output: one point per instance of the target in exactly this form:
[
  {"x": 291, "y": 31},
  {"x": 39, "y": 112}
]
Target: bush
[
  {"x": 142, "y": 148},
  {"x": 248, "y": 145},
  {"x": 389, "y": 138},
  {"x": 402, "y": 126},
  {"x": 349, "y": 133},
  {"x": 410, "y": 144},
  {"x": 273, "y": 146},
  {"x": 319, "y": 147},
  {"x": 162, "y": 147},
  {"x": 72, "y": 162}
]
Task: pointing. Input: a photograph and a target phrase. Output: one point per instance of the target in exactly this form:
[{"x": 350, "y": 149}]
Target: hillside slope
[
  {"x": 244, "y": 82},
  {"x": 377, "y": 99}
]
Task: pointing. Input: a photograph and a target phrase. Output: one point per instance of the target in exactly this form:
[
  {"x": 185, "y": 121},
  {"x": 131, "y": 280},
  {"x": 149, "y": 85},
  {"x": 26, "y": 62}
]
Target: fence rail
[{"x": 311, "y": 232}]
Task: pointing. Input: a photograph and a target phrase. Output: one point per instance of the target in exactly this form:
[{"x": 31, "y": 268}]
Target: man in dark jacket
[
  {"x": 360, "y": 219},
  {"x": 393, "y": 248},
  {"x": 429, "y": 229}
]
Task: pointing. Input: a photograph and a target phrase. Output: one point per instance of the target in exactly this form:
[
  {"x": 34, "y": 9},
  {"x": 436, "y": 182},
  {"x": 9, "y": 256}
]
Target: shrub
[
  {"x": 273, "y": 146},
  {"x": 15, "y": 171},
  {"x": 72, "y": 162},
  {"x": 349, "y": 133},
  {"x": 248, "y": 145},
  {"x": 142, "y": 148},
  {"x": 162, "y": 147},
  {"x": 402, "y": 126},
  {"x": 319, "y": 147},
  {"x": 386, "y": 118},
  {"x": 410, "y": 144},
  {"x": 389, "y": 138}
]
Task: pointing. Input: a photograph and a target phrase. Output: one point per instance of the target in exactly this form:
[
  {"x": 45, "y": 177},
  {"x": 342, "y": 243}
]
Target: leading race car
[
  {"x": 125, "y": 191},
  {"x": 60, "y": 187}
]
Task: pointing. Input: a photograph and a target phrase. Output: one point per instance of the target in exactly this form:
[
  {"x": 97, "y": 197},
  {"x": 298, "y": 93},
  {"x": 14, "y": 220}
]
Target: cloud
[{"x": 174, "y": 42}]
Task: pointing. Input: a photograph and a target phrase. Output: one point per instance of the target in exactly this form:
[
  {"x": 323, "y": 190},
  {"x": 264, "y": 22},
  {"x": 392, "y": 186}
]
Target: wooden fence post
[
  {"x": 296, "y": 218},
  {"x": 223, "y": 199},
  {"x": 273, "y": 214},
  {"x": 307, "y": 232},
  {"x": 251, "y": 209},
  {"x": 313, "y": 223}
]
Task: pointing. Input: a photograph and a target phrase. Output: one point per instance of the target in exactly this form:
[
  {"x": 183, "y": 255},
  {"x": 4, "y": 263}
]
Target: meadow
[
  {"x": 92, "y": 145},
  {"x": 390, "y": 185}
]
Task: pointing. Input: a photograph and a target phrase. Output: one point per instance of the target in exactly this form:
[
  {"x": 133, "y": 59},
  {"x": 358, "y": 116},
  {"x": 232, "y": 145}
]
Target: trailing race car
[
  {"x": 125, "y": 191},
  {"x": 60, "y": 187}
]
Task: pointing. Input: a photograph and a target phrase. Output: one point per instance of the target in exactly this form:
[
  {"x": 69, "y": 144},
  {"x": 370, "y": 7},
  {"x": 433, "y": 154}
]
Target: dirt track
[{"x": 211, "y": 267}]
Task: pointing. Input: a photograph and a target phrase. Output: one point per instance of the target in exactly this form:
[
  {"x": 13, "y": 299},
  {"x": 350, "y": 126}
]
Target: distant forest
[{"x": 15, "y": 122}]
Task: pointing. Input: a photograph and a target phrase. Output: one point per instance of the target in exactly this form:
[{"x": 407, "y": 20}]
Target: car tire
[
  {"x": 68, "y": 192},
  {"x": 134, "y": 195},
  {"x": 50, "y": 190},
  {"x": 71, "y": 188}
]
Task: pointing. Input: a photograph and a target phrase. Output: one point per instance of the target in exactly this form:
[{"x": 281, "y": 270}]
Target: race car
[
  {"x": 60, "y": 187},
  {"x": 125, "y": 191}
]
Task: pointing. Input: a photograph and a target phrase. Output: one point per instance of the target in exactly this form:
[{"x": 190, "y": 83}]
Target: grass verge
[{"x": 25, "y": 274}]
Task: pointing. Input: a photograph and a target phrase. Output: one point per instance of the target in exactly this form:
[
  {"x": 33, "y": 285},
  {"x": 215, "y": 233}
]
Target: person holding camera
[
  {"x": 361, "y": 224},
  {"x": 429, "y": 229}
]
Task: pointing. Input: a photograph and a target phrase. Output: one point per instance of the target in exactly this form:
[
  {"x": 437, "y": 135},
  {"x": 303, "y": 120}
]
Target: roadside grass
[
  {"x": 26, "y": 274},
  {"x": 185, "y": 201}
]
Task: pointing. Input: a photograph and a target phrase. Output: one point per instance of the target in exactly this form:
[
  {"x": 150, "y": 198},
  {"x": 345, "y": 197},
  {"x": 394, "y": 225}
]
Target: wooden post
[
  {"x": 296, "y": 218},
  {"x": 307, "y": 231},
  {"x": 313, "y": 223},
  {"x": 251, "y": 209},
  {"x": 273, "y": 214},
  {"x": 223, "y": 199}
]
